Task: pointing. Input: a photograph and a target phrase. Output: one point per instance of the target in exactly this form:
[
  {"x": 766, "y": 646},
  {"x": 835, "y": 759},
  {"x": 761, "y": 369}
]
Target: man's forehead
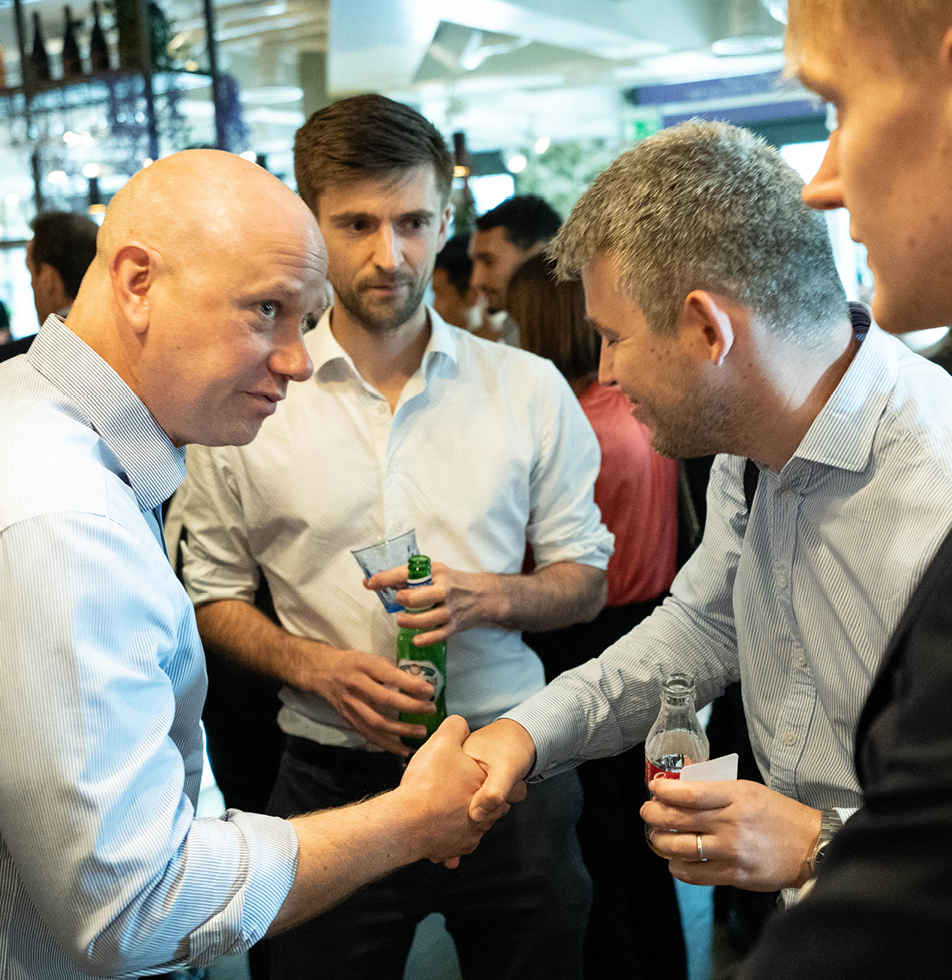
[
  {"x": 490, "y": 240},
  {"x": 413, "y": 182}
]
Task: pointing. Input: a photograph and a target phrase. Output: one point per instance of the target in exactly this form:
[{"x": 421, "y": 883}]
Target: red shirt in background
[{"x": 637, "y": 493}]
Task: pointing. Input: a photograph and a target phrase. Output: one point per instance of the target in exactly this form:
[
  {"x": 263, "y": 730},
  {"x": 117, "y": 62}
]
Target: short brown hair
[
  {"x": 551, "y": 317},
  {"x": 366, "y": 136},
  {"x": 913, "y": 28}
]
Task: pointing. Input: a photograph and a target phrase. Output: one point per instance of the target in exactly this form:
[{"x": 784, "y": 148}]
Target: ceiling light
[
  {"x": 91, "y": 170},
  {"x": 516, "y": 163},
  {"x": 542, "y": 144},
  {"x": 777, "y": 9},
  {"x": 272, "y": 94},
  {"x": 730, "y": 47},
  {"x": 57, "y": 177}
]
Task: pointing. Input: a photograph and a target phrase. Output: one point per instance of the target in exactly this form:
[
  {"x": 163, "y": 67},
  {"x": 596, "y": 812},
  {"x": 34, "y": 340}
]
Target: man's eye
[{"x": 269, "y": 309}]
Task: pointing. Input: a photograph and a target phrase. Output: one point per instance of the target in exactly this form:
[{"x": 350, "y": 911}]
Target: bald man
[{"x": 187, "y": 329}]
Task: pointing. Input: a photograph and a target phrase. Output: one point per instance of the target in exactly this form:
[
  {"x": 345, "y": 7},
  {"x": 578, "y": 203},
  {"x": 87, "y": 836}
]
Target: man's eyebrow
[
  {"x": 421, "y": 214},
  {"x": 599, "y": 328},
  {"x": 348, "y": 217}
]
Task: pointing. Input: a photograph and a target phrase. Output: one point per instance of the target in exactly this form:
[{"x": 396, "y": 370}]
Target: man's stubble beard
[
  {"x": 703, "y": 424},
  {"x": 354, "y": 302}
]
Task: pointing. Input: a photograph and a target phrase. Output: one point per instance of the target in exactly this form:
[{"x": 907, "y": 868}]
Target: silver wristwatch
[{"x": 830, "y": 823}]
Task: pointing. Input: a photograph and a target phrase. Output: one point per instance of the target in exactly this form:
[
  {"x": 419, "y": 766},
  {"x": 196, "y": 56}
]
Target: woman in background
[{"x": 634, "y": 928}]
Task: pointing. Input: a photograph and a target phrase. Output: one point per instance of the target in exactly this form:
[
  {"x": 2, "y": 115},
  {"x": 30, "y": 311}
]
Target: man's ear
[
  {"x": 133, "y": 271},
  {"x": 706, "y": 324},
  {"x": 444, "y": 226}
]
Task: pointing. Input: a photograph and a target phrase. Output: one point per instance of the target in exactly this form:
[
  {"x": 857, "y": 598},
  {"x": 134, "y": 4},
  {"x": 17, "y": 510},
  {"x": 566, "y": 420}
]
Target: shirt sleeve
[
  {"x": 607, "y": 705},
  {"x": 216, "y": 558},
  {"x": 102, "y": 755},
  {"x": 564, "y": 522}
]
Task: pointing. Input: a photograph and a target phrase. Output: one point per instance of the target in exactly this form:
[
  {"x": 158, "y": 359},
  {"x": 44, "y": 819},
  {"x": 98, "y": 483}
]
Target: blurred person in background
[
  {"x": 453, "y": 295},
  {"x": 57, "y": 257},
  {"x": 505, "y": 237},
  {"x": 635, "y": 925}
]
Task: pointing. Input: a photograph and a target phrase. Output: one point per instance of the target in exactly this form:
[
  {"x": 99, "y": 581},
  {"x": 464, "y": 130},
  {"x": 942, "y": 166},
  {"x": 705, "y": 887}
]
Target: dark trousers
[
  {"x": 516, "y": 907},
  {"x": 635, "y": 926}
]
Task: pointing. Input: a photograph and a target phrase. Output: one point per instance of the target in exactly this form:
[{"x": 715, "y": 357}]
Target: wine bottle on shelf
[
  {"x": 39, "y": 59},
  {"x": 72, "y": 61},
  {"x": 98, "y": 48}
]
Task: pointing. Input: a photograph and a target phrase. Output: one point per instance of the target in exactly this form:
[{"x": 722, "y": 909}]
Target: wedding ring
[{"x": 700, "y": 848}]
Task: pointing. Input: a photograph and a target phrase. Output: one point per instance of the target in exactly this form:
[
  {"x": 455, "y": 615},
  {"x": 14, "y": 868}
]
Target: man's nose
[
  {"x": 825, "y": 191},
  {"x": 387, "y": 249},
  {"x": 292, "y": 360}
]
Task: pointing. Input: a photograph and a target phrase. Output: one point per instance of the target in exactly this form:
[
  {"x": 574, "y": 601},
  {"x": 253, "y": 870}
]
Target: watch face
[{"x": 819, "y": 854}]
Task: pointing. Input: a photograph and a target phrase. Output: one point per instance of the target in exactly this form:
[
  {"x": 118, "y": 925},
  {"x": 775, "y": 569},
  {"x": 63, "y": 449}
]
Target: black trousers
[{"x": 516, "y": 907}]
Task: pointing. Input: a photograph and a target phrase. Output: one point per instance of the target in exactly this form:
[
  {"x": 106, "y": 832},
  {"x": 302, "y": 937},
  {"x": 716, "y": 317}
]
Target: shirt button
[
  {"x": 382, "y": 409},
  {"x": 789, "y": 495},
  {"x": 782, "y": 581},
  {"x": 799, "y": 657},
  {"x": 790, "y": 738}
]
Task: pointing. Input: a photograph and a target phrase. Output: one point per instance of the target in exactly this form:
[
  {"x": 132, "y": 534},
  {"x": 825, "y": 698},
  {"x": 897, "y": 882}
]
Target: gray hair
[{"x": 705, "y": 205}]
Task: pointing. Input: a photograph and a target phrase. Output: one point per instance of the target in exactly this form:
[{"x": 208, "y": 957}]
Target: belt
[{"x": 342, "y": 759}]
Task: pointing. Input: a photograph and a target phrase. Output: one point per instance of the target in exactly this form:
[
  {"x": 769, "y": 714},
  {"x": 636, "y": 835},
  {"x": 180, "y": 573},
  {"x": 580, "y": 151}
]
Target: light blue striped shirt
[
  {"x": 103, "y": 866},
  {"x": 799, "y": 599}
]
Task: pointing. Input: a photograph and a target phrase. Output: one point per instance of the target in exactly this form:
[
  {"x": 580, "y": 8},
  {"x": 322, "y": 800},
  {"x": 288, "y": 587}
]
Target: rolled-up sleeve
[{"x": 565, "y": 523}]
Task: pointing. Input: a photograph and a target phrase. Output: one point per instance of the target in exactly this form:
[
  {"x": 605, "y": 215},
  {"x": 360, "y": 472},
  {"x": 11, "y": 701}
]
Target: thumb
[{"x": 493, "y": 795}]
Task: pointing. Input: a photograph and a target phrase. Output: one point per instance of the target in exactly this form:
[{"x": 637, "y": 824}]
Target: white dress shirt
[{"x": 487, "y": 448}]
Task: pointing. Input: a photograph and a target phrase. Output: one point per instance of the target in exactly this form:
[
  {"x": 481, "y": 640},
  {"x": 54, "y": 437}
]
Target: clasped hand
[
  {"x": 752, "y": 837},
  {"x": 441, "y": 782}
]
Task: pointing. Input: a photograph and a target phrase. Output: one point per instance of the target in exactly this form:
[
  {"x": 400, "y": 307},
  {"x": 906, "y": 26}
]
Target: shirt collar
[
  {"x": 842, "y": 434},
  {"x": 325, "y": 350},
  {"x": 152, "y": 465}
]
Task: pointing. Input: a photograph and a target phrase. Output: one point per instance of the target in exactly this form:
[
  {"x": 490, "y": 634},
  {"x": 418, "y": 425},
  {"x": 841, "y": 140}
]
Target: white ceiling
[{"x": 503, "y": 71}]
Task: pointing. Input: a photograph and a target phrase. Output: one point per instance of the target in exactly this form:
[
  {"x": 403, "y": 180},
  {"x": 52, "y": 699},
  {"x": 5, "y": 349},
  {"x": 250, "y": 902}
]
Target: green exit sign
[{"x": 638, "y": 129}]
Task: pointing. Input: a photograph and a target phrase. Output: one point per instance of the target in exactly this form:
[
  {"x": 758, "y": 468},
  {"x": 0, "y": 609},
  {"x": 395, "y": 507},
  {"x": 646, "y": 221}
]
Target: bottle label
[
  {"x": 653, "y": 771},
  {"x": 426, "y": 670}
]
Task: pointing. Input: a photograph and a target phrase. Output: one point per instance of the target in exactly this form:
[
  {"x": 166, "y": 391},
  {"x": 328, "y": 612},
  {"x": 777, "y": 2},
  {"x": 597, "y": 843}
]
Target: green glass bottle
[{"x": 426, "y": 662}]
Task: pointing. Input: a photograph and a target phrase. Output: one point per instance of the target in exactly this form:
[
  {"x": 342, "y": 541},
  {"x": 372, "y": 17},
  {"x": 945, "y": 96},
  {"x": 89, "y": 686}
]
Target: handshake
[{"x": 458, "y": 785}]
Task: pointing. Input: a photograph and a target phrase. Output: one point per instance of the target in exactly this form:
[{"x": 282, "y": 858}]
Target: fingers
[
  {"x": 701, "y": 795},
  {"x": 390, "y": 579}
]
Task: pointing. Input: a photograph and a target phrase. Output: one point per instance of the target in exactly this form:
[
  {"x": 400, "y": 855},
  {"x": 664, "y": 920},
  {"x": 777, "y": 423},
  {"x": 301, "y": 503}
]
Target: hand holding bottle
[{"x": 751, "y": 836}]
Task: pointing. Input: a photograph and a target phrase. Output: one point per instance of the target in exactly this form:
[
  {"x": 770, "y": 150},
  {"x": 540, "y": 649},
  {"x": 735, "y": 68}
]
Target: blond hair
[{"x": 913, "y": 28}]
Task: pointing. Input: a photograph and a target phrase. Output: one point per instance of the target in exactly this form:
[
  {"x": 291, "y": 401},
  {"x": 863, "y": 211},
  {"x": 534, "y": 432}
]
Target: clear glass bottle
[
  {"x": 427, "y": 662},
  {"x": 676, "y": 739}
]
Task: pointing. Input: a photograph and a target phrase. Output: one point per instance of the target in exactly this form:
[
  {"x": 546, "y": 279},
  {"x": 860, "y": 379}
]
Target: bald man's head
[{"x": 206, "y": 268}]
